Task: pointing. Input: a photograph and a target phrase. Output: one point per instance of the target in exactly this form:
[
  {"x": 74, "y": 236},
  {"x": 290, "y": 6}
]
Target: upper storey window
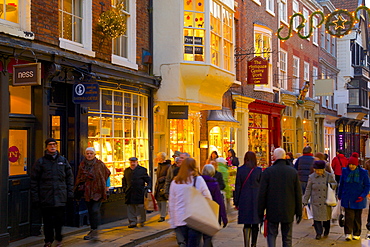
[
  {"x": 9, "y": 10},
  {"x": 15, "y": 18},
  {"x": 70, "y": 12}
]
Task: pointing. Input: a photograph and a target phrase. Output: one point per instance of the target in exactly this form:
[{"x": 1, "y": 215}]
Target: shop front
[
  {"x": 264, "y": 130},
  {"x": 347, "y": 133}
]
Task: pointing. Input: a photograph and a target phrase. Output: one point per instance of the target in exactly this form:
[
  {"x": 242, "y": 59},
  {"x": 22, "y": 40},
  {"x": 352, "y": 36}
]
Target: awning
[{"x": 224, "y": 115}]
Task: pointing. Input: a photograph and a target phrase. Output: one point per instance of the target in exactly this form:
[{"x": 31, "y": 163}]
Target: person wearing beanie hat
[
  {"x": 353, "y": 189},
  {"x": 50, "y": 194},
  {"x": 316, "y": 190},
  {"x": 91, "y": 184}
]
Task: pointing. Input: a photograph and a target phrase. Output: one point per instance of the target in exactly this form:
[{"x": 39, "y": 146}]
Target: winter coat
[
  {"x": 169, "y": 178},
  {"x": 280, "y": 193},
  {"x": 218, "y": 176},
  {"x": 215, "y": 191},
  {"x": 348, "y": 193},
  {"x": 133, "y": 184},
  {"x": 51, "y": 181},
  {"x": 177, "y": 200},
  {"x": 338, "y": 163},
  {"x": 317, "y": 189},
  {"x": 94, "y": 179},
  {"x": 246, "y": 196},
  {"x": 232, "y": 161},
  {"x": 304, "y": 166},
  {"x": 159, "y": 191},
  {"x": 224, "y": 169}
]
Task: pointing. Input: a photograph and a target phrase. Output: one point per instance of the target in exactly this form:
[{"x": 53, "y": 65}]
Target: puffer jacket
[
  {"x": 51, "y": 181},
  {"x": 304, "y": 166}
]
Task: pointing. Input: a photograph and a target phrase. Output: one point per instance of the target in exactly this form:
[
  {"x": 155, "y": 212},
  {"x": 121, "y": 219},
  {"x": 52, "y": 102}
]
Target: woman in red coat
[
  {"x": 338, "y": 163},
  {"x": 92, "y": 176}
]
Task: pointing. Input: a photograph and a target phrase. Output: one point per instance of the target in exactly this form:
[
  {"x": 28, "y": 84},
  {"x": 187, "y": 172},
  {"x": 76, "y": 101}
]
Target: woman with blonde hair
[{"x": 188, "y": 176}]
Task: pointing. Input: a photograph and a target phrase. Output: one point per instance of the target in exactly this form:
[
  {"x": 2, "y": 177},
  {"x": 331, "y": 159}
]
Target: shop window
[
  {"x": 17, "y": 152},
  {"x": 258, "y": 138},
  {"x": 288, "y": 134},
  {"x": 182, "y": 135},
  {"x": 307, "y": 132},
  {"x": 20, "y": 99},
  {"x": 118, "y": 130},
  {"x": 215, "y": 140}
]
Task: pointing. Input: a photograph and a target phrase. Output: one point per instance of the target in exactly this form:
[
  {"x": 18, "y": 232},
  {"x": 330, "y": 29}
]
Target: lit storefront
[
  {"x": 348, "y": 135},
  {"x": 182, "y": 136},
  {"x": 118, "y": 130}
]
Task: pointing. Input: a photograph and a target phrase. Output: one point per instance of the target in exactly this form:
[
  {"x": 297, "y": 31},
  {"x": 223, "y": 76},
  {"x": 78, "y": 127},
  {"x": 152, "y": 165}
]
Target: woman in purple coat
[
  {"x": 214, "y": 188},
  {"x": 247, "y": 185}
]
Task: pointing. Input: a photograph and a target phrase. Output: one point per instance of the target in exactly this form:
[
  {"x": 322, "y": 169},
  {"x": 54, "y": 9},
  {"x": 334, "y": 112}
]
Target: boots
[
  {"x": 254, "y": 236},
  {"x": 161, "y": 219},
  {"x": 92, "y": 235},
  {"x": 247, "y": 234}
]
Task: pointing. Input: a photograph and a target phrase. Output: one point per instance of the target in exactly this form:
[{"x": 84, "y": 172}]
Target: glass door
[{"x": 18, "y": 152}]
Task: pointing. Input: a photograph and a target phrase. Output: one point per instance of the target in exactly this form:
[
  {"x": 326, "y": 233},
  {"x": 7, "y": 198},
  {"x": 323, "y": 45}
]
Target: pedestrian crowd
[{"x": 293, "y": 187}]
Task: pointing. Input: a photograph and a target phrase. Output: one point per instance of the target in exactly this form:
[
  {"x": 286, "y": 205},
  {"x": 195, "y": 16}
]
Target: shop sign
[
  {"x": 178, "y": 112},
  {"x": 85, "y": 92},
  {"x": 193, "y": 40},
  {"x": 341, "y": 141},
  {"x": 27, "y": 74},
  {"x": 13, "y": 154},
  {"x": 257, "y": 71}
]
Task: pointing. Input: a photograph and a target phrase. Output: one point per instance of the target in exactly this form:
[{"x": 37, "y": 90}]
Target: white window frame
[
  {"x": 323, "y": 98},
  {"x": 283, "y": 69},
  {"x": 283, "y": 12},
  {"x": 270, "y": 7},
  {"x": 86, "y": 46},
  {"x": 266, "y": 32},
  {"x": 295, "y": 9},
  {"x": 315, "y": 74},
  {"x": 21, "y": 29},
  {"x": 130, "y": 60},
  {"x": 306, "y": 71},
  {"x": 295, "y": 84},
  {"x": 334, "y": 46},
  {"x": 307, "y": 23},
  {"x": 315, "y": 35}
]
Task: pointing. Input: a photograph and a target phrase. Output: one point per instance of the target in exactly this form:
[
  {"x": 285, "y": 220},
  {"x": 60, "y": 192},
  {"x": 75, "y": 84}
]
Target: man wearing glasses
[{"x": 51, "y": 187}]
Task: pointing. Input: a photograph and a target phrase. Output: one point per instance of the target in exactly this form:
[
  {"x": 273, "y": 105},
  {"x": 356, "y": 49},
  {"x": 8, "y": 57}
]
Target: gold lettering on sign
[{"x": 116, "y": 103}]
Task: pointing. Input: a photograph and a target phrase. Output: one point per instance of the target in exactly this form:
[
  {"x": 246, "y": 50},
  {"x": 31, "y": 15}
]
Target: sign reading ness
[{"x": 27, "y": 74}]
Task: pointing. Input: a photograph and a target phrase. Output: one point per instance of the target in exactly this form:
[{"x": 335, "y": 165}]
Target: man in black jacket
[
  {"x": 304, "y": 166},
  {"x": 133, "y": 182},
  {"x": 51, "y": 187},
  {"x": 280, "y": 195}
]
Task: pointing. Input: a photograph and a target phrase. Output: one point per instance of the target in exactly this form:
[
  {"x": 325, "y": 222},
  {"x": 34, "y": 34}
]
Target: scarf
[
  {"x": 88, "y": 169},
  {"x": 354, "y": 176}
]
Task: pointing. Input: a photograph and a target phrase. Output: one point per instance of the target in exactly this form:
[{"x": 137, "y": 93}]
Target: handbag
[
  {"x": 306, "y": 214},
  {"x": 331, "y": 199},
  {"x": 201, "y": 213},
  {"x": 150, "y": 203}
]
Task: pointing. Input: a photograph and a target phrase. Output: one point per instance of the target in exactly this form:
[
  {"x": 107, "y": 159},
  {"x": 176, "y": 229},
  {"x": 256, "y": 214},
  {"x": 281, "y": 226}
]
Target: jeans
[
  {"x": 94, "y": 213},
  {"x": 192, "y": 237},
  {"x": 53, "y": 218},
  {"x": 352, "y": 221},
  {"x": 303, "y": 186},
  {"x": 286, "y": 232}
]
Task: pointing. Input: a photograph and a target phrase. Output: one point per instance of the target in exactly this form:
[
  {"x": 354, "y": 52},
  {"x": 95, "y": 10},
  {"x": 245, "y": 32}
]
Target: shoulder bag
[{"x": 331, "y": 199}]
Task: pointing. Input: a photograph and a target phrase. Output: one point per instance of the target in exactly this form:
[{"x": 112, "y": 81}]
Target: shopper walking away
[
  {"x": 280, "y": 195},
  {"x": 247, "y": 185},
  {"x": 339, "y": 162},
  {"x": 304, "y": 166},
  {"x": 51, "y": 187},
  {"x": 159, "y": 191},
  {"x": 92, "y": 177},
  {"x": 212, "y": 184},
  {"x": 353, "y": 189},
  {"x": 135, "y": 183},
  {"x": 316, "y": 190},
  {"x": 177, "y": 201}
]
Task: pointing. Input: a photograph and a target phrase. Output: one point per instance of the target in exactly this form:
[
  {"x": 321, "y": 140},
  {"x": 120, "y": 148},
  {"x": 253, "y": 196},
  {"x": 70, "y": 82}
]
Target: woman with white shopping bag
[
  {"x": 178, "y": 200},
  {"x": 316, "y": 189}
]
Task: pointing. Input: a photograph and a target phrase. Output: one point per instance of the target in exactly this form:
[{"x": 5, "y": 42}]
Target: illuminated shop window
[
  {"x": 307, "y": 129},
  {"x": 9, "y": 10},
  {"x": 182, "y": 134},
  {"x": 221, "y": 140},
  {"x": 258, "y": 138},
  {"x": 20, "y": 99},
  {"x": 118, "y": 130},
  {"x": 18, "y": 150},
  {"x": 194, "y": 30},
  {"x": 288, "y": 130}
]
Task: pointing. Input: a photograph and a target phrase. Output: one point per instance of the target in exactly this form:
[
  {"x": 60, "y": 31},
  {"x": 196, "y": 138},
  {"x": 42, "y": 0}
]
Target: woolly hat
[
  {"x": 353, "y": 159},
  {"x": 90, "y": 149},
  {"x": 47, "y": 141},
  {"x": 319, "y": 164},
  {"x": 221, "y": 160}
]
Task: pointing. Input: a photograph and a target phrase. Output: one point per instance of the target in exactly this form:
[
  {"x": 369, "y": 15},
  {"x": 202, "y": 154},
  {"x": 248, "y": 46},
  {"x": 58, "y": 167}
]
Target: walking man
[
  {"x": 281, "y": 196},
  {"x": 51, "y": 187},
  {"x": 304, "y": 166},
  {"x": 135, "y": 182}
]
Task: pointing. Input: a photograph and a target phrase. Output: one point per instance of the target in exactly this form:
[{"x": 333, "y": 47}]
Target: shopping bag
[
  {"x": 306, "y": 213},
  {"x": 331, "y": 199},
  {"x": 150, "y": 203},
  {"x": 201, "y": 213},
  {"x": 336, "y": 211}
]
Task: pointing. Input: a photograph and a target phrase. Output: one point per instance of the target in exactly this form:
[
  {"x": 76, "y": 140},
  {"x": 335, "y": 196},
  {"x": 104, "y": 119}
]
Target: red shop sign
[{"x": 257, "y": 71}]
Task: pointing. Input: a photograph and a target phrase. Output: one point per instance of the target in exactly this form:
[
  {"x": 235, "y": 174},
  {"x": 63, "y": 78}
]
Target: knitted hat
[
  {"x": 90, "y": 149},
  {"x": 353, "y": 159},
  {"x": 319, "y": 164},
  {"x": 47, "y": 141},
  {"x": 221, "y": 160}
]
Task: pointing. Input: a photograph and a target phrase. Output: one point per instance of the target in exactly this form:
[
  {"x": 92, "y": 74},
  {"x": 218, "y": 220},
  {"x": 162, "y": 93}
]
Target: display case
[
  {"x": 258, "y": 138},
  {"x": 182, "y": 135}
]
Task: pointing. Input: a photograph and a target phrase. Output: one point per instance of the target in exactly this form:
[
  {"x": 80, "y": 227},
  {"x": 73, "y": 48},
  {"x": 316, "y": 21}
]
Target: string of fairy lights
[{"x": 337, "y": 23}]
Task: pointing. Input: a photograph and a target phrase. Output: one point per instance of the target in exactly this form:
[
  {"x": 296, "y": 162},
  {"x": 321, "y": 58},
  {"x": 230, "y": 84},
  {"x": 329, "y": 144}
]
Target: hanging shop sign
[
  {"x": 257, "y": 71},
  {"x": 27, "y": 74},
  {"x": 85, "y": 92},
  {"x": 178, "y": 112}
]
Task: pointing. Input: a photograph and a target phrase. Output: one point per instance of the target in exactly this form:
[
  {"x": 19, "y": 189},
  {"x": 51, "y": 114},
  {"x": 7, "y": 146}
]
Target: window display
[
  {"x": 288, "y": 134},
  {"x": 118, "y": 130},
  {"x": 307, "y": 133},
  {"x": 258, "y": 138},
  {"x": 182, "y": 135},
  {"x": 221, "y": 140}
]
